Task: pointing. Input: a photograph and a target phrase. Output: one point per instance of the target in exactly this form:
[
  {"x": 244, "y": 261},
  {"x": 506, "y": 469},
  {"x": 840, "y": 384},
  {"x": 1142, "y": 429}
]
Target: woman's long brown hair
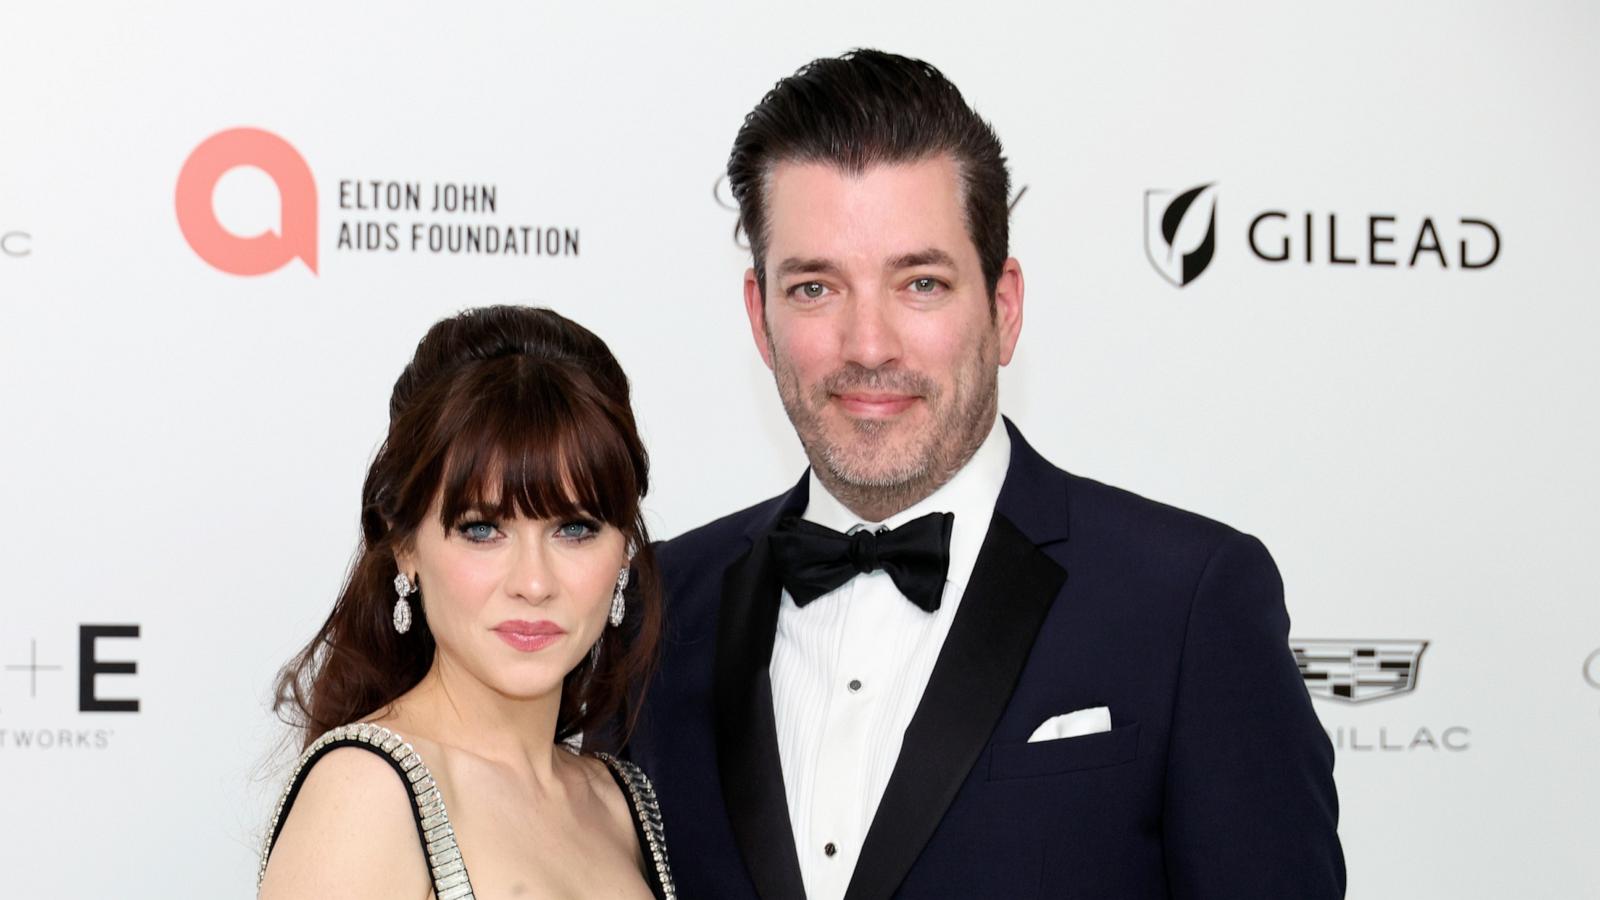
[{"x": 502, "y": 409}]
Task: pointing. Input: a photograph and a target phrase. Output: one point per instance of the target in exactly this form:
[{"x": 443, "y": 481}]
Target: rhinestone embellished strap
[
  {"x": 647, "y": 822},
  {"x": 438, "y": 839}
]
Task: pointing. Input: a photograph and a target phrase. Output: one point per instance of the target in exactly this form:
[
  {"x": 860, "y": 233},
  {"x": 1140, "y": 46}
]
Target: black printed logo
[{"x": 1180, "y": 232}]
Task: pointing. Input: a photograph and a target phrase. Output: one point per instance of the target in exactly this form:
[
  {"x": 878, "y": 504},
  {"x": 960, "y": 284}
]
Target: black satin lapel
[
  {"x": 747, "y": 737},
  {"x": 1011, "y": 589}
]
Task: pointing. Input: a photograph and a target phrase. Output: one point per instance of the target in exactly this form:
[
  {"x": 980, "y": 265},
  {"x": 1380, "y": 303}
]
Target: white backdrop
[{"x": 183, "y": 447}]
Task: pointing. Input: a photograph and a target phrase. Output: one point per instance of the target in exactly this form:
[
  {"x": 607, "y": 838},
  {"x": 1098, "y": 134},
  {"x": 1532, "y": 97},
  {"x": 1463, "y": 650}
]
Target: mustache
[{"x": 855, "y": 376}]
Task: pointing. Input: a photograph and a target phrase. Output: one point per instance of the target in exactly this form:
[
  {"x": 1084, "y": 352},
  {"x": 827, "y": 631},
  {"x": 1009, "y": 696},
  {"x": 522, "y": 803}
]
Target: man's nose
[{"x": 870, "y": 337}]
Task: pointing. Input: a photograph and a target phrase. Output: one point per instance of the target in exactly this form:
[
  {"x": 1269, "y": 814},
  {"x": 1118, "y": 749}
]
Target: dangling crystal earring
[
  {"x": 403, "y": 588},
  {"x": 619, "y": 606}
]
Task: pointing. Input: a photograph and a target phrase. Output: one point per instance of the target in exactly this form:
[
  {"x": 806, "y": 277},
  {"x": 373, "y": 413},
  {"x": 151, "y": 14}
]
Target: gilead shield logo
[
  {"x": 297, "y": 196},
  {"x": 1180, "y": 232}
]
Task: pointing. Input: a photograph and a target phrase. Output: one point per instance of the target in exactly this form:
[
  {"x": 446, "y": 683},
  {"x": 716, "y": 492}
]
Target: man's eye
[
  {"x": 925, "y": 285},
  {"x": 478, "y": 532},
  {"x": 811, "y": 290},
  {"x": 578, "y": 530}
]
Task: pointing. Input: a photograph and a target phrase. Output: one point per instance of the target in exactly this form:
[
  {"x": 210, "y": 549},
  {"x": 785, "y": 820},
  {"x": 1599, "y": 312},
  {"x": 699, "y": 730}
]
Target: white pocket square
[{"x": 1073, "y": 724}]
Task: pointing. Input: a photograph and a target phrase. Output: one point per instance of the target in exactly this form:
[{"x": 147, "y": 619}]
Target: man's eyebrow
[
  {"x": 814, "y": 266},
  {"x": 932, "y": 256}
]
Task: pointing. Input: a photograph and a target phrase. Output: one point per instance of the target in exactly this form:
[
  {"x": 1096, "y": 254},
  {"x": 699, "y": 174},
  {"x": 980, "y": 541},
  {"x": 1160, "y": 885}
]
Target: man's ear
[
  {"x": 1008, "y": 308},
  {"x": 755, "y": 308}
]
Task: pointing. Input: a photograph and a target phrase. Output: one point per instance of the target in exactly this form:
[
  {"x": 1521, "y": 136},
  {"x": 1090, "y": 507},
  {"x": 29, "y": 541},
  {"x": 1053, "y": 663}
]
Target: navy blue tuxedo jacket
[{"x": 1215, "y": 781}]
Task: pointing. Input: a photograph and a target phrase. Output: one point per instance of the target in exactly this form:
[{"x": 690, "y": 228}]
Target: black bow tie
[{"x": 813, "y": 560}]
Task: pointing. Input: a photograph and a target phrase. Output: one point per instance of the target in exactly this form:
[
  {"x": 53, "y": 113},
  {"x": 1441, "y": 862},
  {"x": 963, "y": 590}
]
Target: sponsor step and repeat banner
[{"x": 1324, "y": 274}]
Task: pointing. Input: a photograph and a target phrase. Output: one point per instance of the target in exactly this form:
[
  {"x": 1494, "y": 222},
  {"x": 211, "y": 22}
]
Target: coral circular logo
[{"x": 269, "y": 251}]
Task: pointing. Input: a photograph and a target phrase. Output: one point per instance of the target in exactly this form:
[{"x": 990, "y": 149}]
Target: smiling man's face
[{"x": 878, "y": 328}]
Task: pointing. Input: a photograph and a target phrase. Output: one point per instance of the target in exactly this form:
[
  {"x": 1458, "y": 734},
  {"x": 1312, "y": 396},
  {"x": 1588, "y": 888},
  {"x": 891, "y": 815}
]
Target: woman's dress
[{"x": 438, "y": 840}]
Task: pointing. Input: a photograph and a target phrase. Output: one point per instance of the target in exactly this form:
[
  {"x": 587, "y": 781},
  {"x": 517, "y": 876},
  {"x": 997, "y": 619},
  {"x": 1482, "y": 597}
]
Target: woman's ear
[{"x": 405, "y": 561}]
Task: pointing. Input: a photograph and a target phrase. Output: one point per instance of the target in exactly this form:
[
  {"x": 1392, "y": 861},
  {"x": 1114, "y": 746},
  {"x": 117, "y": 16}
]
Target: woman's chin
[{"x": 528, "y": 686}]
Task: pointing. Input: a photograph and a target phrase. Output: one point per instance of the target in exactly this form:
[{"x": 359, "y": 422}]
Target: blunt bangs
[{"x": 534, "y": 438}]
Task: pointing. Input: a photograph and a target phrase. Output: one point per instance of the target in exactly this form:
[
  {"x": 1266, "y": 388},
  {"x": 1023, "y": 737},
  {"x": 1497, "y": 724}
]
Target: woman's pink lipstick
[{"x": 529, "y": 636}]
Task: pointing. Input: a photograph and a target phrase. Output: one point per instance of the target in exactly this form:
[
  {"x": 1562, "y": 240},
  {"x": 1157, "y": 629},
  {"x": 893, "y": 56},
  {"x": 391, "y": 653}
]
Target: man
[{"x": 1031, "y": 684}]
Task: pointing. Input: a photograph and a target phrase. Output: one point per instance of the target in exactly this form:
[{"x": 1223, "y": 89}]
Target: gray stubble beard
[{"x": 954, "y": 435}]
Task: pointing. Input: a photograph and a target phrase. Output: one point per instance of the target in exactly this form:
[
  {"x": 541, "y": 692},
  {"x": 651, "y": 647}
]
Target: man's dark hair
[{"x": 867, "y": 108}]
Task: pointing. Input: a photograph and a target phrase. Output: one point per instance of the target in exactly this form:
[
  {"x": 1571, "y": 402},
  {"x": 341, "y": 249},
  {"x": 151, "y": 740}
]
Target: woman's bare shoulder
[
  {"x": 350, "y": 833},
  {"x": 619, "y": 804}
]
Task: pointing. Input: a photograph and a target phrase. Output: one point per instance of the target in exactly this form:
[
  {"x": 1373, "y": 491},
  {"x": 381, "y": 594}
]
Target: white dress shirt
[{"x": 848, "y": 672}]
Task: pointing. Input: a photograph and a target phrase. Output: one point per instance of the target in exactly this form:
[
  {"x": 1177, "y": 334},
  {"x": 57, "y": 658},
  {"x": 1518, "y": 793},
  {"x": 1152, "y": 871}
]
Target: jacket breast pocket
[{"x": 1091, "y": 751}]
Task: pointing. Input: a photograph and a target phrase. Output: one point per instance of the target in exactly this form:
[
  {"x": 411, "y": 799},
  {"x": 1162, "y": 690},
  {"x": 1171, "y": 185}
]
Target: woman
[{"x": 482, "y": 634}]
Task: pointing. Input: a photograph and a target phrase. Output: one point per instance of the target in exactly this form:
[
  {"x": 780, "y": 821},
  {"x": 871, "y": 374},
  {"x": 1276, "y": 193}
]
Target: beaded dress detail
[{"x": 446, "y": 868}]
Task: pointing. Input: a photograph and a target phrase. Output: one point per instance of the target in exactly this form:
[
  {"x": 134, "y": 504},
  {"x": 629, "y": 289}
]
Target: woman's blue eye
[
  {"x": 478, "y": 532},
  {"x": 577, "y": 530}
]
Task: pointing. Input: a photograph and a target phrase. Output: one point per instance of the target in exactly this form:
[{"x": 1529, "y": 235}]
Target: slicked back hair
[{"x": 863, "y": 109}]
